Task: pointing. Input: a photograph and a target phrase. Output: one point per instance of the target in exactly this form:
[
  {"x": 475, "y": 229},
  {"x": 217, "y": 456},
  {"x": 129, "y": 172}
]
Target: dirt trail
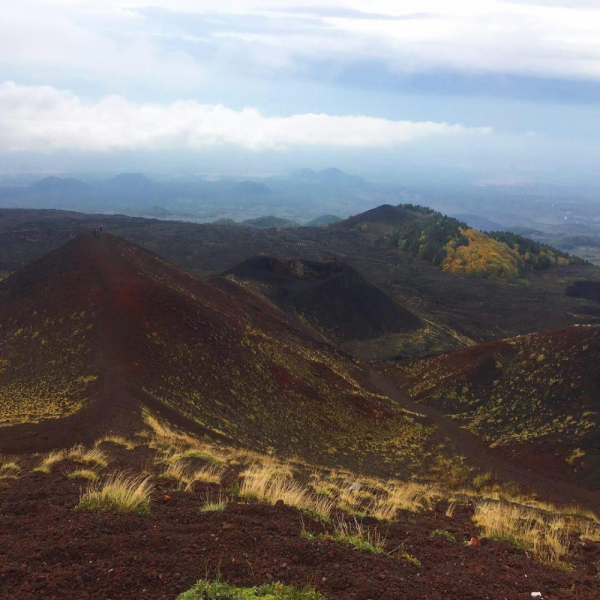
[{"x": 480, "y": 454}]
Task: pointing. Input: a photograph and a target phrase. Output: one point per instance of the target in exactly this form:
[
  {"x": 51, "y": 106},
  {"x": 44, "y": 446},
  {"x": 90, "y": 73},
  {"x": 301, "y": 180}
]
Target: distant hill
[
  {"x": 478, "y": 222},
  {"x": 269, "y": 222},
  {"x": 58, "y": 185},
  {"x": 99, "y": 331},
  {"x": 537, "y": 395},
  {"x": 454, "y": 246},
  {"x": 382, "y": 220},
  {"x": 323, "y": 221},
  {"x": 226, "y": 221},
  {"x": 331, "y": 296}
]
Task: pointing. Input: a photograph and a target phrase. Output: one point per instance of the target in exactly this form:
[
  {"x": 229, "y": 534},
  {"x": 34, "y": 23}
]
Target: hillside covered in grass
[{"x": 537, "y": 394}]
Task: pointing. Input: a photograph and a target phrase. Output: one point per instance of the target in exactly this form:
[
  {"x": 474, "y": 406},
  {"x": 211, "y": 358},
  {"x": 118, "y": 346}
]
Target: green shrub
[{"x": 215, "y": 590}]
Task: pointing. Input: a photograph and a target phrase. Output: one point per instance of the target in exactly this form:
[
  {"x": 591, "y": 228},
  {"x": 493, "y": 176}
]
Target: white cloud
[
  {"x": 46, "y": 119},
  {"x": 116, "y": 46}
]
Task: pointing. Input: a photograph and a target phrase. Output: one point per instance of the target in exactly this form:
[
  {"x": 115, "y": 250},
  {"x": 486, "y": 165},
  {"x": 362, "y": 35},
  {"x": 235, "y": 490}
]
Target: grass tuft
[
  {"x": 218, "y": 504},
  {"x": 9, "y": 469},
  {"x": 119, "y": 492},
  {"x": 263, "y": 483},
  {"x": 216, "y": 590},
  {"x": 187, "y": 477},
  {"x": 115, "y": 439},
  {"x": 352, "y": 532},
  {"x": 83, "y": 474},
  {"x": 49, "y": 460},
  {"x": 94, "y": 457},
  {"x": 545, "y": 535},
  {"x": 443, "y": 533}
]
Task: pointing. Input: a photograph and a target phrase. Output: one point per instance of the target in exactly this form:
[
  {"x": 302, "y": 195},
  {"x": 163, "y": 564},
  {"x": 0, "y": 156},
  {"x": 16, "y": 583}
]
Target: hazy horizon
[{"x": 502, "y": 90}]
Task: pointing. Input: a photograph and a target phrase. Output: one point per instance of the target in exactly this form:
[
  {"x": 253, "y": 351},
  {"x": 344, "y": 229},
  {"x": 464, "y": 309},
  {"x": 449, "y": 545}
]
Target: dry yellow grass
[
  {"x": 119, "y": 492},
  {"x": 450, "y": 510},
  {"x": 265, "y": 484},
  {"x": 211, "y": 504},
  {"x": 49, "y": 460},
  {"x": 187, "y": 476},
  {"x": 544, "y": 535},
  {"x": 398, "y": 496},
  {"x": 352, "y": 531},
  {"x": 83, "y": 474},
  {"x": 94, "y": 456},
  {"x": 116, "y": 439},
  {"x": 9, "y": 469},
  {"x": 502, "y": 511}
]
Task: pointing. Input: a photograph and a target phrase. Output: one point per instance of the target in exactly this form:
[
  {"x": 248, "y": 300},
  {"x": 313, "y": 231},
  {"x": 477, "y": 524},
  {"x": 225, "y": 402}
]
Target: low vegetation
[
  {"x": 218, "y": 504},
  {"x": 119, "y": 492},
  {"x": 49, "y": 460},
  {"x": 117, "y": 440},
  {"x": 216, "y": 590},
  {"x": 187, "y": 476},
  {"x": 443, "y": 533},
  {"x": 9, "y": 469},
  {"x": 353, "y": 532},
  {"x": 94, "y": 457},
  {"x": 83, "y": 474},
  {"x": 551, "y": 537},
  {"x": 266, "y": 484}
]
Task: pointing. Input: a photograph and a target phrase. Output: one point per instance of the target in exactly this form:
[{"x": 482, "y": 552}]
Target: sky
[{"x": 493, "y": 89}]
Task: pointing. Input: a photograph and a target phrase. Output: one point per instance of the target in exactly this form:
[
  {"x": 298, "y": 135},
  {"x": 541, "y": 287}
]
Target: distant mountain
[
  {"x": 269, "y": 222},
  {"x": 524, "y": 231},
  {"x": 130, "y": 182},
  {"x": 331, "y": 296},
  {"x": 59, "y": 185},
  {"x": 328, "y": 176},
  {"x": 478, "y": 222},
  {"x": 323, "y": 221}
]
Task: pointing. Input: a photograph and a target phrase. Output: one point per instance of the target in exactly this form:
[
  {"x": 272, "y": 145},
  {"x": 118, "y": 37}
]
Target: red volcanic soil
[
  {"x": 49, "y": 550},
  {"x": 219, "y": 361}
]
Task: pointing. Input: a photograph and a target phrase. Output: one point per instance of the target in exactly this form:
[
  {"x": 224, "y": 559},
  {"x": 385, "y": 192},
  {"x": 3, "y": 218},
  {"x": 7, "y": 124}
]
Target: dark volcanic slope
[
  {"x": 589, "y": 290},
  {"x": 99, "y": 329},
  {"x": 383, "y": 219},
  {"x": 452, "y": 307},
  {"x": 536, "y": 396},
  {"x": 330, "y": 295}
]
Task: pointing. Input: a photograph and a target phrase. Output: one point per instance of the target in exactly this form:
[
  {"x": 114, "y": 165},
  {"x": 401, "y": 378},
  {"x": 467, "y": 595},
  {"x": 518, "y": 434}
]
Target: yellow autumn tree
[{"x": 482, "y": 257}]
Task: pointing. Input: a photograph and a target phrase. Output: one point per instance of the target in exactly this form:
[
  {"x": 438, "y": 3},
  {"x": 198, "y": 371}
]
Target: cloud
[
  {"x": 183, "y": 47},
  {"x": 46, "y": 119}
]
